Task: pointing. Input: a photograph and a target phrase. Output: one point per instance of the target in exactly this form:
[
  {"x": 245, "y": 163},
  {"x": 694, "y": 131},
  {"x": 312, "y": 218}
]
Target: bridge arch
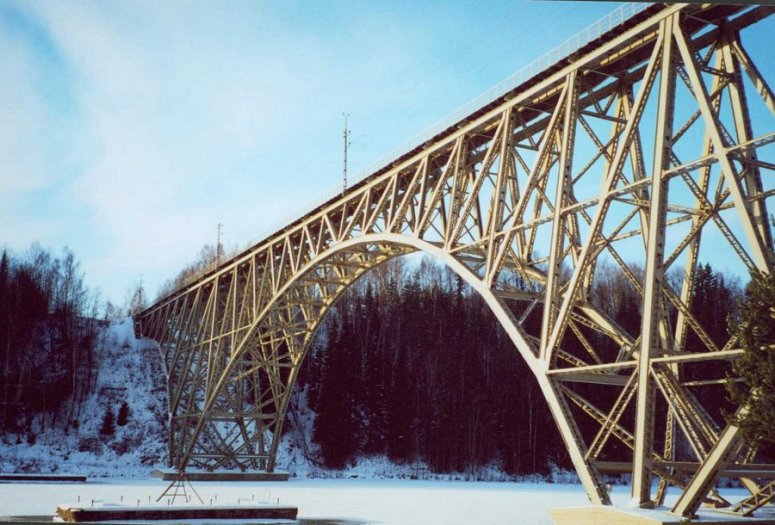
[
  {"x": 546, "y": 180},
  {"x": 269, "y": 326}
]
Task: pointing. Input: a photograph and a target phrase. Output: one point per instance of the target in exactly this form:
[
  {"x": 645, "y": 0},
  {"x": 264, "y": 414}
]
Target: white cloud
[
  {"x": 22, "y": 119},
  {"x": 165, "y": 134},
  {"x": 181, "y": 115}
]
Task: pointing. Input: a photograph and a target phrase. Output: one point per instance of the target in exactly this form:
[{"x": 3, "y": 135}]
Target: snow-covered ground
[
  {"x": 373, "y": 490},
  {"x": 387, "y": 502},
  {"x": 128, "y": 370},
  {"x": 131, "y": 370},
  {"x": 364, "y": 501}
]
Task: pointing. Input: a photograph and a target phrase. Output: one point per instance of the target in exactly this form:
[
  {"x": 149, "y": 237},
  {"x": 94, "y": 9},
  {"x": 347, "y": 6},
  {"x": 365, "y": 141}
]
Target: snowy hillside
[
  {"x": 131, "y": 370},
  {"x": 128, "y": 370}
]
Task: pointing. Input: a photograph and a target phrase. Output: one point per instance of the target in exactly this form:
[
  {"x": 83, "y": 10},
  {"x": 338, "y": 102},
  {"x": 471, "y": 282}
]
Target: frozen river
[
  {"x": 362, "y": 501},
  {"x": 387, "y": 502}
]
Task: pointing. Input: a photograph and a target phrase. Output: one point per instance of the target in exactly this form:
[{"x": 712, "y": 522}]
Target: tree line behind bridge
[
  {"x": 412, "y": 364},
  {"x": 49, "y": 324}
]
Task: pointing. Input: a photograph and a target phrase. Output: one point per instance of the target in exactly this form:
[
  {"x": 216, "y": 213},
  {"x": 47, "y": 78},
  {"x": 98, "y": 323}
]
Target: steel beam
[{"x": 510, "y": 191}]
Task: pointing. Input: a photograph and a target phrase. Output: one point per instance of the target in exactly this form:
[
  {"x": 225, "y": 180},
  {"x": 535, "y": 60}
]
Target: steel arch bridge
[{"x": 648, "y": 147}]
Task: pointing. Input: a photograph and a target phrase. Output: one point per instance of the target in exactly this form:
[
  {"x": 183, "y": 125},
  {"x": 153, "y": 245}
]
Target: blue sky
[{"x": 128, "y": 130}]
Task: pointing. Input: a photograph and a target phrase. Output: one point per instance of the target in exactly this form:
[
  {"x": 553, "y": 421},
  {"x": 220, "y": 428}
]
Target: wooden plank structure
[
  {"x": 222, "y": 512},
  {"x": 635, "y": 148},
  {"x": 58, "y": 478}
]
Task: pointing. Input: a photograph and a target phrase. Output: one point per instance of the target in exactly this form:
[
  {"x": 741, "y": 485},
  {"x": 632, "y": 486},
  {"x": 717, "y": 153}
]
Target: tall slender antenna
[
  {"x": 219, "y": 246},
  {"x": 346, "y": 144}
]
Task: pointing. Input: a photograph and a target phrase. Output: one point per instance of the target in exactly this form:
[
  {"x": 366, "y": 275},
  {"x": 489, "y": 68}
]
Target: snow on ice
[{"x": 374, "y": 490}]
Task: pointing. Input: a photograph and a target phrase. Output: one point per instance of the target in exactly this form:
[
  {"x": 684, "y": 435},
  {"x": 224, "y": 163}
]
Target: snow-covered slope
[
  {"x": 128, "y": 370},
  {"x": 131, "y": 370}
]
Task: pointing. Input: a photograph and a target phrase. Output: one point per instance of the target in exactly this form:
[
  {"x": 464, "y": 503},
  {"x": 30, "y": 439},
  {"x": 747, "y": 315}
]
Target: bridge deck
[
  {"x": 620, "y": 154},
  {"x": 623, "y": 60}
]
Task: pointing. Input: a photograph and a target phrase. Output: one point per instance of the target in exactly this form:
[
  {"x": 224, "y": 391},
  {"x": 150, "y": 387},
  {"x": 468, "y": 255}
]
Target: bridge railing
[{"x": 574, "y": 43}]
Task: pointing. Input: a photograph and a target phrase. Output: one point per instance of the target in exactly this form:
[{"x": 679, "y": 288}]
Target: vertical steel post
[{"x": 654, "y": 277}]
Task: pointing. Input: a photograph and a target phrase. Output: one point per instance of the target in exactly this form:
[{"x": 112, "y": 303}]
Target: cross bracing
[{"x": 649, "y": 149}]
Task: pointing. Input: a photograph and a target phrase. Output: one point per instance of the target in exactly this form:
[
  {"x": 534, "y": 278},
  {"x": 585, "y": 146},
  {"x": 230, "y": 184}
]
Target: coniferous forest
[
  {"x": 416, "y": 367},
  {"x": 49, "y": 322},
  {"x": 47, "y": 333},
  {"x": 412, "y": 364}
]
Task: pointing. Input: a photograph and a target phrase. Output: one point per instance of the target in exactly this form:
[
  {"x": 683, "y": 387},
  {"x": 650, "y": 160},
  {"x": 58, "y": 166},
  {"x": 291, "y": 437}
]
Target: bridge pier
[
  {"x": 223, "y": 475},
  {"x": 608, "y": 515}
]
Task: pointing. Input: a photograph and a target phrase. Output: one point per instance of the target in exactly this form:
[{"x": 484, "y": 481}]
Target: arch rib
[{"x": 526, "y": 190}]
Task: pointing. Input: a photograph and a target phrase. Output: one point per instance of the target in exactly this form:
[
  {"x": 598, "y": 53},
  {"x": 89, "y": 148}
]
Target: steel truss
[{"x": 639, "y": 151}]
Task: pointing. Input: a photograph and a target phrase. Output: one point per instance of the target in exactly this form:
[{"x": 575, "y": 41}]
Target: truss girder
[{"x": 638, "y": 152}]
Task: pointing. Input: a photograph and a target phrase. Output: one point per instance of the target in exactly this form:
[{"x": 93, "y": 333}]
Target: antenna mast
[
  {"x": 219, "y": 246},
  {"x": 346, "y": 144}
]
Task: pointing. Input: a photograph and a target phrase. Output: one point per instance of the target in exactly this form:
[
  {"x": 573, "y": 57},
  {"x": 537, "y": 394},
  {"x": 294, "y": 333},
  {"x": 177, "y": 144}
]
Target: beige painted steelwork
[{"x": 627, "y": 154}]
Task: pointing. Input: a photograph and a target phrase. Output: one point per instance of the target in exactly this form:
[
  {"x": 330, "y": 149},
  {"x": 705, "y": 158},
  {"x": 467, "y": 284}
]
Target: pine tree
[
  {"x": 712, "y": 304},
  {"x": 372, "y": 384},
  {"x": 138, "y": 302},
  {"x": 755, "y": 333},
  {"x": 336, "y": 429},
  {"x": 108, "y": 427},
  {"x": 4, "y": 278},
  {"x": 401, "y": 411},
  {"x": 123, "y": 414},
  {"x": 5, "y": 333}
]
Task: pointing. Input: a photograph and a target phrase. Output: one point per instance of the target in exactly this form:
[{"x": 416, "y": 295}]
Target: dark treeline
[
  {"x": 47, "y": 336},
  {"x": 412, "y": 364},
  {"x": 416, "y": 367}
]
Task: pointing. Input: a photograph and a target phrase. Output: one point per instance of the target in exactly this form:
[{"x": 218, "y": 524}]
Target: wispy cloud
[{"x": 128, "y": 130}]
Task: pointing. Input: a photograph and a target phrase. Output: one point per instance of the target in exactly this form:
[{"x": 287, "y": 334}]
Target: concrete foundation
[
  {"x": 608, "y": 515},
  {"x": 223, "y": 475}
]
